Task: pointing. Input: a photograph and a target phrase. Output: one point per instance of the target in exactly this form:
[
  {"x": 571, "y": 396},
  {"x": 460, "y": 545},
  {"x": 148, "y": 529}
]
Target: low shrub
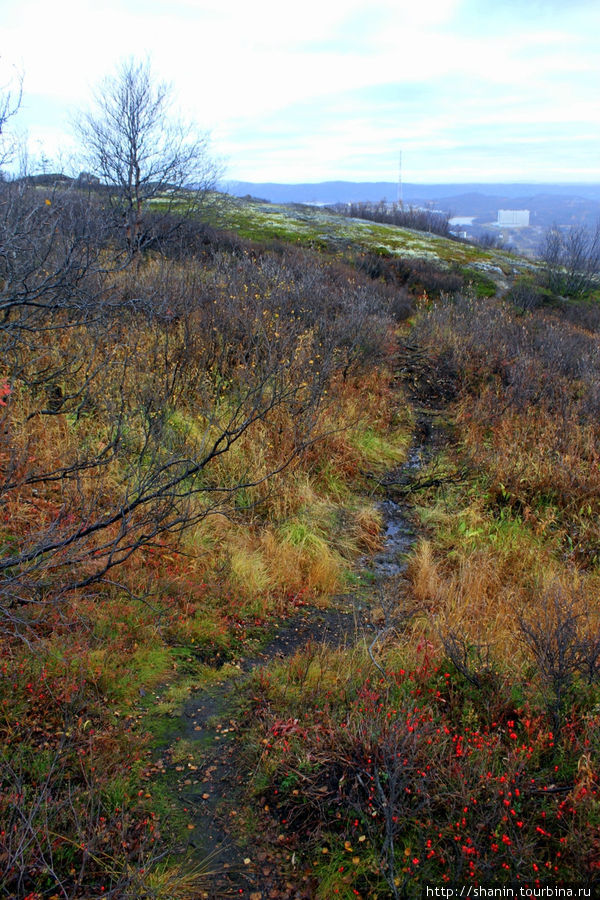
[{"x": 423, "y": 775}]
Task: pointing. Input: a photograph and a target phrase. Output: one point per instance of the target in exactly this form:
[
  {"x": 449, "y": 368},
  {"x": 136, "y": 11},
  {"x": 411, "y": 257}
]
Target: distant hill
[{"x": 353, "y": 191}]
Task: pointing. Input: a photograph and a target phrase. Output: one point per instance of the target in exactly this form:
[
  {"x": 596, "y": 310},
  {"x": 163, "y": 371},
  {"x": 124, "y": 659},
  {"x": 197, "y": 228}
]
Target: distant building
[{"x": 513, "y": 218}]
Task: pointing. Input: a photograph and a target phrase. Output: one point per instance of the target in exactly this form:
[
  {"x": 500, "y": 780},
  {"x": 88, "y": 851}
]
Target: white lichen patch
[{"x": 315, "y": 224}]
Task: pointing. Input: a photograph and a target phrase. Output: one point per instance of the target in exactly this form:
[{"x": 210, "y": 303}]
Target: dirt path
[
  {"x": 210, "y": 727},
  {"x": 209, "y": 780}
]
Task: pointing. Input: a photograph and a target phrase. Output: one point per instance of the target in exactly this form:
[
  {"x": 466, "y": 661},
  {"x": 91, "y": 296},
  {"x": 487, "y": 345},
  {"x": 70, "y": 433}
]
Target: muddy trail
[{"x": 209, "y": 779}]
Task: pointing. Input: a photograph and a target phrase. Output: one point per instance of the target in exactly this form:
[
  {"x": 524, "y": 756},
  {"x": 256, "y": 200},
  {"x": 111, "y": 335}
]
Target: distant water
[{"x": 461, "y": 220}]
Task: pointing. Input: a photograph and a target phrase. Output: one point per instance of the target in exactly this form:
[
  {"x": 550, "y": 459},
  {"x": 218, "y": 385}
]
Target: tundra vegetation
[{"x": 189, "y": 438}]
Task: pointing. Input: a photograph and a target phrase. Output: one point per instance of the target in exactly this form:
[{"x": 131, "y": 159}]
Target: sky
[{"x": 465, "y": 90}]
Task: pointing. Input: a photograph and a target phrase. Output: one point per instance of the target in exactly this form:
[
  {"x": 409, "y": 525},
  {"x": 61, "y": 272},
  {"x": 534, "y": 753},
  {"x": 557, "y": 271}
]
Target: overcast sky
[{"x": 315, "y": 90}]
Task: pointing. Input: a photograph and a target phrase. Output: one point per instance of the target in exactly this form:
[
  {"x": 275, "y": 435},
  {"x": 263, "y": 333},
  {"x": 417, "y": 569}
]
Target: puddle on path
[{"x": 209, "y": 779}]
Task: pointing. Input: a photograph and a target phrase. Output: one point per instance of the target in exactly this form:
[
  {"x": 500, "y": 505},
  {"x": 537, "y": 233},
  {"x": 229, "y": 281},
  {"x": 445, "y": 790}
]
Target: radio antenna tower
[{"x": 400, "y": 201}]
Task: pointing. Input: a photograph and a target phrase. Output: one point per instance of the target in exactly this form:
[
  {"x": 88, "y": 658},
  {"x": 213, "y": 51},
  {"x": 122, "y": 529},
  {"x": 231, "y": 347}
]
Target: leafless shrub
[
  {"x": 560, "y": 649},
  {"x": 490, "y": 241},
  {"x": 59, "y": 826},
  {"x": 567, "y": 352},
  {"x": 397, "y": 791},
  {"x": 473, "y": 661},
  {"x": 526, "y": 295},
  {"x": 249, "y": 338},
  {"x": 417, "y": 276},
  {"x": 572, "y": 259},
  {"x": 581, "y": 314},
  {"x": 537, "y": 358},
  {"x": 479, "y": 338}
]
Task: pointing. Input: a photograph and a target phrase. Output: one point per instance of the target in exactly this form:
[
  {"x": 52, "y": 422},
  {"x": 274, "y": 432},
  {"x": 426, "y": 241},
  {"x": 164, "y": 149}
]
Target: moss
[
  {"x": 483, "y": 285},
  {"x": 323, "y": 230}
]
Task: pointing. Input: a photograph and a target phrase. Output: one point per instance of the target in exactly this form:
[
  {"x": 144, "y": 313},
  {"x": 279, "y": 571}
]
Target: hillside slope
[{"x": 321, "y": 229}]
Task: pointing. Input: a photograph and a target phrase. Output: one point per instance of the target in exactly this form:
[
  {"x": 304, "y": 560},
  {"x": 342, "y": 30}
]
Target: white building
[{"x": 513, "y": 218}]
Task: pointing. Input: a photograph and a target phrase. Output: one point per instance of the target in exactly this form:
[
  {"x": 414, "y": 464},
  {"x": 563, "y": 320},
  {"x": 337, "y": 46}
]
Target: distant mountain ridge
[{"x": 356, "y": 191}]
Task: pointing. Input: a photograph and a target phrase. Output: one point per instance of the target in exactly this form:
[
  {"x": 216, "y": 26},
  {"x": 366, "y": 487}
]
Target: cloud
[{"x": 334, "y": 89}]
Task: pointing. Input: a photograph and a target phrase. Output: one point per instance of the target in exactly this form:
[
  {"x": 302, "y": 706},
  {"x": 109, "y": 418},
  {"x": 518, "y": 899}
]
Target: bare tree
[
  {"x": 138, "y": 149},
  {"x": 78, "y": 347},
  {"x": 10, "y": 101},
  {"x": 572, "y": 259},
  {"x": 429, "y": 220}
]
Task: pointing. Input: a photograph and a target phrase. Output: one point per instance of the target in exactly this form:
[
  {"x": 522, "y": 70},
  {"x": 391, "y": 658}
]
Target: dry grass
[
  {"x": 166, "y": 358},
  {"x": 527, "y": 520}
]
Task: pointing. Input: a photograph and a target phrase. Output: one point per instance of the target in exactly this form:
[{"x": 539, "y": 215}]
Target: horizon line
[{"x": 405, "y": 183}]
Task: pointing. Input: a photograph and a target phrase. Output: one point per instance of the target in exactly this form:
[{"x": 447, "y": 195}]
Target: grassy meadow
[{"x": 194, "y": 443}]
